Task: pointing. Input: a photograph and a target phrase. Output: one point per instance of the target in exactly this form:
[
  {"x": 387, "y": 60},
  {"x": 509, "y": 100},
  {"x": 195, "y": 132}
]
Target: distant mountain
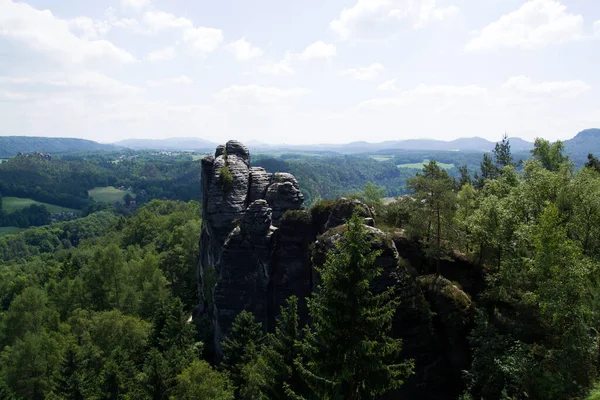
[
  {"x": 585, "y": 142},
  {"x": 475, "y": 144},
  {"x": 171, "y": 144},
  {"x": 10, "y": 146}
]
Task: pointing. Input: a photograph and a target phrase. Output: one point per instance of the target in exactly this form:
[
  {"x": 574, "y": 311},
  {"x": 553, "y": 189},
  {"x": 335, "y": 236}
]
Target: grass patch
[
  {"x": 10, "y": 230},
  {"x": 12, "y": 204},
  {"x": 422, "y": 164},
  {"x": 108, "y": 194}
]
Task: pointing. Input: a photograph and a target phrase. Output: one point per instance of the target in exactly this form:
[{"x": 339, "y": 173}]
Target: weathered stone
[
  {"x": 257, "y": 219},
  {"x": 220, "y": 150},
  {"x": 235, "y": 148},
  {"x": 291, "y": 271},
  {"x": 284, "y": 194},
  {"x": 243, "y": 280},
  {"x": 259, "y": 182}
]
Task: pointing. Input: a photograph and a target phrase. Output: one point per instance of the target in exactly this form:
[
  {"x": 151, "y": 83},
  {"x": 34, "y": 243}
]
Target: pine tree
[
  {"x": 433, "y": 190},
  {"x": 489, "y": 170},
  {"x": 592, "y": 162},
  {"x": 240, "y": 347},
  {"x": 274, "y": 373},
  {"x": 465, "y": 176},
  {"x": 502, "y": 153},
  {"x": 348, "y": 353}
]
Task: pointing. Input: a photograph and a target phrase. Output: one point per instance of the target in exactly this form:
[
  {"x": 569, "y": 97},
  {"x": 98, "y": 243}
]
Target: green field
[
  {"x": 108, "y": 194},
  {"x": 9, "y": 230},
  {"x": 381, "y": 158},
  {"x": 422, "y": 164},
  {"x": 11, "y": 204}
]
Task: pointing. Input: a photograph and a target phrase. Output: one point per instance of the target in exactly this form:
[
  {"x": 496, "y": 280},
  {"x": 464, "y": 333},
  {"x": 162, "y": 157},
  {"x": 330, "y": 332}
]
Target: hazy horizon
[{"x": 299, "y": 72}]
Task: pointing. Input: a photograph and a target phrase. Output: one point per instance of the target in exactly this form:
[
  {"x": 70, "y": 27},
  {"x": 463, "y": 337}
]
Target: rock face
[
  {"x": 258, "y": 247},
  {"x": 240, "y": 243}
]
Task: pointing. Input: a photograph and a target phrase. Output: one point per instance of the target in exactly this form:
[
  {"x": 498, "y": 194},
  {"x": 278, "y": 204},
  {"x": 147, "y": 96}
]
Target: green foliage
[
  {"x": 435, "y": 199},
  {"x": 225, "y": 177},
  {"x": 201, "y": 381},
  {"x": 241, "y": 346},
  {"x": 502, "y": 153},
  {"x": 273, "y": 374},
  {"x": 365, "y": 362},
  {"x": 593, "y": 162},
  {"x": 373, "y": 197},
  {"x": 98, "y": 318},
  {"x": 550, "y": 155}
]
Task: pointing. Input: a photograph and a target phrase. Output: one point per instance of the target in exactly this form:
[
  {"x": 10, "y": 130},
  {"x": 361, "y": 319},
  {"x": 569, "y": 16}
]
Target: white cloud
[
  {"x": 88, "y": 82},
  {"x": 45, "y": 33},
  {"x": 446, "y": 91},
  {"x": 160, "y": 21},
  {"x": 182, "y": 80},
  {"x": 597, "y": 28},
  {"x": 524, "y": 86},
  {"x": 433, "y": 90},
  {"x": 364, "y": 73},
  {"x": 135, "y": 4},
  {"x": 244, "y": 50},
  {"x": 318, "y": 49},
  {"x": 89, "y": 28},
  {"x": 258, "y": 94},
  {"x": 204, "y": 40},
  {"x": 423, "y": 94},
  {"x": 388, "y": 86},
  {"x": 164, "y": 54},
  {"x": 535, "y": 24},
  {"x": 381, "y": 18},
  {"x": 283, "y": 67},
  {"x": 12, "y": 96}
]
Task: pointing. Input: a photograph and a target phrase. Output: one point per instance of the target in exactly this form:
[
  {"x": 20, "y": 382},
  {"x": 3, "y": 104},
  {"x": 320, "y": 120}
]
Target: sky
[{"x": 299, "y": 72}]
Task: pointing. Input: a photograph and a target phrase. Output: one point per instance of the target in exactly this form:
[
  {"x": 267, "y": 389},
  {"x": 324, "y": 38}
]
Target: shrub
[{"x": 225, "y": 177}]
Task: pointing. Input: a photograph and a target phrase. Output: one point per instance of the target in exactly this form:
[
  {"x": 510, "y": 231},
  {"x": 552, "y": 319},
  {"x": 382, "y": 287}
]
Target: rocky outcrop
[
  {"x": 240, "y": 243},
  {"x": 284, "y": 194},
  {"x": 262, "y": 248}
]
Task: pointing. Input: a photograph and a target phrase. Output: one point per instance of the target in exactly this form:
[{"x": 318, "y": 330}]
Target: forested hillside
[
  {"x": 10, "y": 146},
  {"x": 100, "y": 307}
]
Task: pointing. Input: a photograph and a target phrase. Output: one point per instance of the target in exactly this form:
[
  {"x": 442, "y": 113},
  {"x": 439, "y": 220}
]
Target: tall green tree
[
  {"x": 348, "y": 354},
  {"x": 592, "y": 163},
  {"x": 489, "y": 170},
  {"x": 433, "y": 190},
  {"x": 465, "y": 176},
  {"x": 550, "y": 155},
  {"x": 201, "y": 381},
  {"x": 502, "y": 153},
  {"x": 241, "y": 346},
  {"x": 274, "y": 373}
]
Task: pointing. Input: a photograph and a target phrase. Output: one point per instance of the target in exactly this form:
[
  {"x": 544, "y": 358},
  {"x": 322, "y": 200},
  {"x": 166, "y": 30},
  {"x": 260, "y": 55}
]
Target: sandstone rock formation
[{"x": 258, "y": 247}]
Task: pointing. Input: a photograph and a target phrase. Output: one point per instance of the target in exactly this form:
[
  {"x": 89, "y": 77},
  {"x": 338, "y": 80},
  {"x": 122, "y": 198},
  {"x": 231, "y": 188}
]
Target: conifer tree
[
  {"x": 489, "y": 170},
  {"x": 502, "y": 154},
  {"x": 348, "y": 354},
  {"x": 241, "y": 346},
  {"x": 433, "y": 190}
]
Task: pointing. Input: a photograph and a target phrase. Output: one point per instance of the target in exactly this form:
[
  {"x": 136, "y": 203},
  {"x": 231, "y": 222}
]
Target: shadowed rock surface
[{"x": 262, "y": 247}]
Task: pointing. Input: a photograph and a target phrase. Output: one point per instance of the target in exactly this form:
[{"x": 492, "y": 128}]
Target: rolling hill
[
  {"x": 10, "y": 146},
  {"x": 173, "y": 144},
  {"x": 474, "y": 144}
]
